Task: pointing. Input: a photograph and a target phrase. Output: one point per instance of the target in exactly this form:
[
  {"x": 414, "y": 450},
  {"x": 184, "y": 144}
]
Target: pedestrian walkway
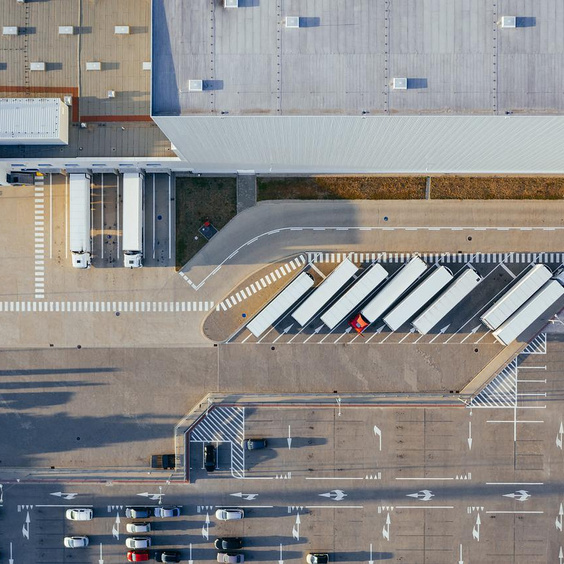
[
  {"x": 103, "y": 307},
  {"x": 246, "y": 190}
]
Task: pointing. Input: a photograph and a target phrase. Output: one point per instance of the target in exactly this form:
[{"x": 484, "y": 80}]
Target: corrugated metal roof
[
  {"x": 370, "y": 144},
  {"x": 33, "y": 120}
]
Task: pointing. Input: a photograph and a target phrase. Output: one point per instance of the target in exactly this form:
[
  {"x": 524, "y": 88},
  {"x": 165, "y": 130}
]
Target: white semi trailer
[
  {"x": 418, "y": 298},
  {"x": 324, "y": 292},
  {"x": 512, "y": 300},
  {"x": 389, "y": 294},
  {"x": 360, "y": 290},
  {"x": 280, "y": 304},
  {"x": 79, "y": 220},
  {"x": 455, "y": 292},
  {"x": 527, "y": 314},
  {"x": 133, "y": 219}
]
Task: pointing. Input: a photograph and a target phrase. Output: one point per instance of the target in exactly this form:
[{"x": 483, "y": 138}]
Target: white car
[
  {"x": 76, "y": 542},
  {"x": 138, "y": 542},
  {"x": 229, "y": 514},
  {"x": 138, "y": 527},
  {"x": 79, "y": 514}
]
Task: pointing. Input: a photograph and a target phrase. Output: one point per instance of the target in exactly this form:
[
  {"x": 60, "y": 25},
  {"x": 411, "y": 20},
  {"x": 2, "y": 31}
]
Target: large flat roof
[{"x": 343, "y": 57}]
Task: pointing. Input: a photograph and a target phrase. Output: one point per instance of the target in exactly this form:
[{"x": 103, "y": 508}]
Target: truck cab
[
  {"x": 81, "y": 260},
  {"x": 132, "y": 259},
  {"x": 358, "y": 323}
]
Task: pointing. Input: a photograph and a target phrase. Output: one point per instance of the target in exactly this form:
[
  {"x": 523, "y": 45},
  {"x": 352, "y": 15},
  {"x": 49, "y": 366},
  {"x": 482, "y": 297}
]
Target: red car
[
  {"x": 358, "y": 323},
  {"x": 138, "y": 556}
]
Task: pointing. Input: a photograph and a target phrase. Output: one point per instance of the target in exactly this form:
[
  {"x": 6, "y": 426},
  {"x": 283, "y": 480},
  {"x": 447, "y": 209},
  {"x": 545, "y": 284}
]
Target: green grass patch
[{"x": 199, "y": 200}]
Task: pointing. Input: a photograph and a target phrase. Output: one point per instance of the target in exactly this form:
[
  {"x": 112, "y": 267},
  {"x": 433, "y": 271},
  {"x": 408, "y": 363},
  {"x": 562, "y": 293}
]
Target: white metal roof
[
  {"x": 354, "y": 295},
  {"x": 33, "y": 121},
  {"x": 369, "y": 144},
  {"x": 545, "y": 298},
  {"x": 280, "y": 304},
  {"x": 392, "y": 291},
  {"x": 512, "y": 300},
  {"x": 448, "y": 300},
  {"x": 419, "y": 297},
  {"x": 326, "y": 290}
]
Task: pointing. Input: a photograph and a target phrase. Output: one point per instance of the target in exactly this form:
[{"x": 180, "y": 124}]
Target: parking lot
[
  {"x": 361, "y": 483},
  {"x": 462, "y": 324}
]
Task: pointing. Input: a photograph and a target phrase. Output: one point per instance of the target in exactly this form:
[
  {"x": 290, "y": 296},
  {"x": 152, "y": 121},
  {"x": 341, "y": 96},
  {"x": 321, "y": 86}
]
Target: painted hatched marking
[{"x": 501, "y": 391}]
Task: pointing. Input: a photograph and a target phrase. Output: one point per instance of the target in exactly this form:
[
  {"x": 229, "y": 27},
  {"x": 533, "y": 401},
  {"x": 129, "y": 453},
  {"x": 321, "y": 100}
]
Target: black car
[
  {"x": 163, "y": 461},
  {"x": 138, "y": 512},
  {"x": 254, "y": 444},
  {"x": 228, "y": 543},
  {"x": 168, "y": 556},
  {"x": 210, "y": 457}
]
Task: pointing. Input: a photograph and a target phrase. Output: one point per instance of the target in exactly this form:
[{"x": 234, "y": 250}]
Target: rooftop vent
[
  {"x": 195, "y": 85},
  {"x": 37, "y": 66},
  {"x": 93, "y": 66},
  {"x": 121, "y": 30},
  {"x": 66, "y": 30},
  {"x": 67, "y": 100},
  {"x": 508, "y": 22},
  {"x": 147, "y": 65},
  {"x": 399, "y": 83},
  {"x": 10, "y": 30},
  {"x": 111, "y": 93},
  {"x": 230, "y": 3},
  {"x": 292, "y": 21}
]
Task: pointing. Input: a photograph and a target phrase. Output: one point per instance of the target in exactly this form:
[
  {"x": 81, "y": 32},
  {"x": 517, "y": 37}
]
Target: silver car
[
  {"x": 167, "y": 511},
  {"x": 138, "y": 542},
  {"x": 75, "y": 542},
  {"x": 229, "y": 514},
  {"x": 80, "y": 514},
  {"x": 138, "y": 527},
  {"x": 230, "y": 557}
]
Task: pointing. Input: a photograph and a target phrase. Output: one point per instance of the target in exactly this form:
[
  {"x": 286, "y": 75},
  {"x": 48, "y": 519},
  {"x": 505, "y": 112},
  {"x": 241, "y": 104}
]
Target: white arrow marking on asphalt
[
  {"x": 422, "y": 495},
  {"x": 560, "y": 556},
  {"x": 1, "y": 494},
  {"x": 460, "y": 561},
  {"x": 558, "y": 521},
  {"x": 11, "y": 559},
  {"x": 559, "y": 436},
  {"x": 206, "y": 527},
  {"x": 281, "y": 561},
  {"x": 371, "y": 560},
  {"x": 441, "y": 332},
  {"x": 101, "y": 559},
  {"x": 152, "y": 496},
  {"x": 67, "y": 496},
  {"x": 284, "y": 332},
  {"x": 248, "y": 497},
  {"x": 190, "y": 561},
  {"x": 337, "y": 495},
  {"x": 378, "y": 433},
  {"x": 296, "y": 528},
  {"x": 411, "y": 331},
  {"x": 289, "y": 438},
  {"x": 386, "y": 529},
  {"x": 25, "y": 528},
  {"x": 476, "y": 529},
  {"x": 519, "y": 495},
  {"x": 470, "y": 435},
  {"x": 338, "y": 400},
  {"x": 473, "y": 332},
  {"x": 115, "y": 528}
]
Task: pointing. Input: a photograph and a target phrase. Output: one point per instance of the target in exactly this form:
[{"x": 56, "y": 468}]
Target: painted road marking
[
  {"x": 104, "y": 307},
  {"x": 258, "y": 285},
  {"x": 39, "y": 253}
]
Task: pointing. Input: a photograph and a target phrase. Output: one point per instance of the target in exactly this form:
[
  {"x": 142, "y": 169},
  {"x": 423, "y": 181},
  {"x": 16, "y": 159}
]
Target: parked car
[
  {"x": 210, "y": 457},
  {"x": 163, "y": 461},
  {"x": 229, "y": 514},
  {"x": 168, "y": 556},
  {"x": 138, "y": 542},
  {"x": 79, "y": 514},
  {"x": 317, "y": 558},
  {"x": 75, "y": 542},
  {"x": 138, "y": 556},
  {"x": 138, "y": 527},
  {"x": 254, "y": 444},
  {"x": 170, "y": 511},
  {"x": 138, "y": 512},
  {"x": 230, "y": 557},
  {"x": 228, "y": 543}
]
